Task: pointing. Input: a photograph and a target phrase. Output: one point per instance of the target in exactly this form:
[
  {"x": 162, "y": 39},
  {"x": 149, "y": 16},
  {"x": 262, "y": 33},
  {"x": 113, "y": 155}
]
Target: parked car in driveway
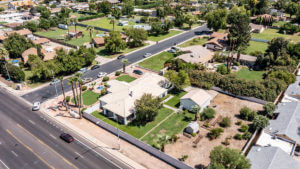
[
  {"x": 138, "y": 72},
  {"x": 121, "y": 56},
  {"x": 36, "y": 106},
  {"x": 101, "y": 74},
  {"x": 66, "y": 137},
  {"x": 172, "y": 51},
  {"x": 87, "y": 80},
  {"x": 95, "y": 67},
  {"x": 82, "y": 70},
  {"x": 147, "y": 55},
  {"x": 53, "y": 82}
]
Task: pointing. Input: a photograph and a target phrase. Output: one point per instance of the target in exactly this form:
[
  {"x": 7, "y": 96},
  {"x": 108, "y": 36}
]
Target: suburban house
[
  {"x": 196, "y": 54},
  {"x": 119, "y": 102},
  {"x": 247, "y": 60},
  {"x": 49, "y": 53},
  {"x": 256, "y": 28},
  {"x": 196, "y": 97},
  {"x": 23, "y": 32},
  {"x": 41, "y": 41},
  {"x": 98, "y": 41},
  {"x": 21, "y": 4},
  {"x": 218, "y": 41},
  {"x": 292, "y": 93},
  {"x": 13, "y": 25},
  {"x": 75, "y": 34}
]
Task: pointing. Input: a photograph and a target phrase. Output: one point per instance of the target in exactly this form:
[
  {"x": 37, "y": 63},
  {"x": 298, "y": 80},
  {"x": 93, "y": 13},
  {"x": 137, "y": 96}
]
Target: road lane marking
[
  {"x": 15, "y": 154},
  {"x": 31, "y": 122},
  {"x": 79, "y": 154},
  {"x": 30, "y": 149},
  {"x": 47, "y": 146},
  {"x": 4, "y": 164},
  {"x": 52, "y": 136}
]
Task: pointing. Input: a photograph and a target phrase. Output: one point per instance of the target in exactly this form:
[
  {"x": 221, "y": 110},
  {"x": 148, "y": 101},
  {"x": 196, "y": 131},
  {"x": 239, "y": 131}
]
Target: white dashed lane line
[
  {"x": 15, "y": 154},
  {"x": 3, "y": 164},
  {"x": 31, "y": 122}
]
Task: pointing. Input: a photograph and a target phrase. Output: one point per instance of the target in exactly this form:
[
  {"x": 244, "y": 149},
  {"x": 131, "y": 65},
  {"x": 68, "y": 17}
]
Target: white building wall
[{"x": 188, "y": 104}]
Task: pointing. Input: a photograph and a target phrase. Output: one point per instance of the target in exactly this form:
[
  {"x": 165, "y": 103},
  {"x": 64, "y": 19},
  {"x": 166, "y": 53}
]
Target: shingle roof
[
  {"x": 199, "y": 54},
  {"x": 271, "y": 158},
  {"x": 294, "y": 89},
  {"x": 199, "y": 96},
  {"x": 99, "y": 40},
  {"x": 288, "y": 120},
  {"x": 26, "y": 53},
  {"x": 41, "y": 41}
]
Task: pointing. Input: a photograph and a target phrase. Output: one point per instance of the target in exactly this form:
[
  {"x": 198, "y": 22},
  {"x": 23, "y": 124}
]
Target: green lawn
[
  {"x": 245, "y": 73},
  {"x": 195, "y": 41},
  {"x": 164, "y": 36},
  {"x": 279, "y": 23},
  {"x": 89, "y": 97},
  {"x": 61, "y": 33},
  {"x": 269, "y": 34},
  {"x": 126, "y": 78},
  {"x": 173, "y": 125},
  {"x": 256, "y": 46},
  {"x": 157, "y": 62},
  {"x": 29, "y": 83},
  {"x": 102, "y": 52},
  {"x": 105, "y": 23},
  {"x": 175, "y": 101},
  {"x": 134, "y": 130}
]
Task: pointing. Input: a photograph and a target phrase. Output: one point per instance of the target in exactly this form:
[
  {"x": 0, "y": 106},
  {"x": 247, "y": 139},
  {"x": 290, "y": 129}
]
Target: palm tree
[
  {"x": 71, "y": 82},
  {"x": 90, "y": 29},
  {"x": 78, "y": 79},
  {"x": 125, "y": 62},
  {"x": 80, "y": 97},
  {"x": 162, "y": 140},
  {"x": 61, "y": 78},
  {"x": 75, "y": 21}
]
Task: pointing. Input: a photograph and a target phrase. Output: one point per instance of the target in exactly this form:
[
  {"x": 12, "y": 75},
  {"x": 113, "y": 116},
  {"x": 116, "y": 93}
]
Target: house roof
[
  {"x": 196, "y": 54},
  {"x": 12, "y": 25},
  {"x": 99, "y": 40},
  {"x": 199, "y": 96},
  {"x": 123, "y": 95},
  {"x": 288, "y": 120},
  {"x": 41, "y": 41},
  {"x": 23, "y": 3},
  {"x": 255, "y": 26},
  {"x": 113, "y": 1},
  {"x": 271, "y": 158},
  {"x": 26, "y": 53},
  {"x": 216, "y": 37},
  {"x": 21, "y": 32},
  {"x": 294, "y": 88},
  {"x": 49, "y": 53},
  {"x": 2, "y": 37},
  {"x": 248, "y": 58}
]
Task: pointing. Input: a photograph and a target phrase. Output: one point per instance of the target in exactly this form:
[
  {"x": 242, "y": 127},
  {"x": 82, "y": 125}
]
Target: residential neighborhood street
[
  {"x": 49, "y": 92},
  {"x": 30, "y": 140}
]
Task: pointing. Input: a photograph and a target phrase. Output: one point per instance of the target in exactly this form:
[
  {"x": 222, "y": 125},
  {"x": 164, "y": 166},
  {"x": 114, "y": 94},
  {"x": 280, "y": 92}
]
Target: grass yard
[
  {"x": 279, "y": 23},
  {"x": 245, "y": 73},
  {"x": 134, "y": 130},
  {"x": 29, "y": 83},
  {"x": 175, "y": 101},
  {"x": 269, "y": 34},
  {"x": 173, "y": 125},
  {"x": 157, "y": 62},
  {"x": 256, "y": 46},
  {"x": 164, "y": 36},
  {"x": 61, "y": 33},
  {"x": 102, "y": 52},
  {"x": 89, "y": 97},
  {"x": 195, "y": 41},
  {"x": 126, "y": 78},
  {"x": 105, "y": 23}
]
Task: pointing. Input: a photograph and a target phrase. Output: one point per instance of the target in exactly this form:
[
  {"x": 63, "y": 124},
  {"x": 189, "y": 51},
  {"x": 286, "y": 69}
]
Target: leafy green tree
[
  {"x": 135, "y": 37},
  {"x": 162, "y": 140},
  {"x": 124, "y": 62},
  {"x": 216, "y": 19},
  {"x": 208, "y": 113},
  {"x": 146, "y": 108},
  {"x": 179, "y": 79},
  {"x": 15, "y": 73},
  {"x": 269, "y": 109},
  {"x": 156, "y": 28},
  {"x": 45, "y": 14},
  {"x": 179, "y": 18},
  {"x": 285, "y": 76},
  {"x": 226, "y": 158},
  {"x": 92, "y": 6},
  {"x": 160, "y": 12},
  {"x": 44, "y": 23},
  {"x": 247, "y": 114},
  {"x": 226, "y": 122},
  {"x": 16, "y": 44},
  {"x": 127, "y": 7},
  {"x": 289, "y": 28},
  {"x": 90, "y": 29},
  {"x": 261, "y": 7},
  {"x": 114, "y": 42},
  {"x": 260, "y": 122},
  {"x": 32, "y": 26},
  {"x": 292, "y": 8},
  {"x": 223, "y": 70},
  {"x": 277, "y": 48},
  {"x": 190, "y": 20},
  {"x": 39, "y": 69}
]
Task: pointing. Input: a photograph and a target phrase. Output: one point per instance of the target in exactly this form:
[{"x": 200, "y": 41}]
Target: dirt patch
[{"x": 198, "y": 155}]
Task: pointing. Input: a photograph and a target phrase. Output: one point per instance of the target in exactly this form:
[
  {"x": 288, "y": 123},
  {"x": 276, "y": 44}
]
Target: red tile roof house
[
  {"x": 218, "y": 42},
  {"x": 98, "y": 41}
]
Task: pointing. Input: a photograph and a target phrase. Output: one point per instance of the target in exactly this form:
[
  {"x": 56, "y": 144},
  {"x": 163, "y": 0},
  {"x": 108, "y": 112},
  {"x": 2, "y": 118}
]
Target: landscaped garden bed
[{"x": 126, "y": 78}]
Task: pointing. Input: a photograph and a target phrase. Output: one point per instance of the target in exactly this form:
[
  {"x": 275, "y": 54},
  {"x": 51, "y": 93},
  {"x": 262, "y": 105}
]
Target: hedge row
[{"x": 84, "y": 18}]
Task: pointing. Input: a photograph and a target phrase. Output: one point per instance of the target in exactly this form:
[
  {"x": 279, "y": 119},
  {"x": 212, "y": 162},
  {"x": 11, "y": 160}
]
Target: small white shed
[{"x": 192, "y": 127}]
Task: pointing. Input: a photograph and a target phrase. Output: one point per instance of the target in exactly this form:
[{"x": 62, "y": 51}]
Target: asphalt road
[
  {"x": 30, "y": 140},
  {"x": 49, "y": 92}
]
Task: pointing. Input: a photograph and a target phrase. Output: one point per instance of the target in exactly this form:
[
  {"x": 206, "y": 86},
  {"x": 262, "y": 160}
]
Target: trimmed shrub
[
  {"x": 226, "y": 122},
  {"x": 84, "y": 88},
  {"x": 105, "y": 79},
  {"x": 238, "y": 123},
  {"x": 238, "y": 137},
  {"x": 194, "y": 134},
  {"x": 247, "y": 114},
  {"x": 208, "y": 113},
  {"x": 117, "y": 73},
  {"x": 215, "y": 133},
  {"x": 246, "y": 135},
  {"x": 68, "y": 98},
  {"x": 244, "y": 128}
]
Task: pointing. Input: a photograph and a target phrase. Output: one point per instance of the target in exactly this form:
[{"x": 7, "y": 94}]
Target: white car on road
[
  {"x": 147, "y": 55},
  {"x": 101, "y": 74},
  {"x": 53, "y": 82},
  {"x": 36, "y": 106},
  {"x": 82, "y": 70}
]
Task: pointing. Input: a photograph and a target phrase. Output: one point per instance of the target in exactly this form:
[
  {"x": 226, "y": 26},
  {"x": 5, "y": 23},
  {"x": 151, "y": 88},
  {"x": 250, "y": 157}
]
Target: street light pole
[{"x": 54, "y": 84}]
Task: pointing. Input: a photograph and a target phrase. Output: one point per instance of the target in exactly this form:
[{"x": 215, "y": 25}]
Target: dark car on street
[
  {"x": 95, "y": 67},
  {"x": 121, "y": 56},
  {"x": 138, "y": 72},
  {"x": 66, "y": 137}
]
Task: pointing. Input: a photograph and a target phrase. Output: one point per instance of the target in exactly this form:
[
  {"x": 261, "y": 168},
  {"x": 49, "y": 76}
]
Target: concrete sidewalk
[{"x": 106, "y": 140}]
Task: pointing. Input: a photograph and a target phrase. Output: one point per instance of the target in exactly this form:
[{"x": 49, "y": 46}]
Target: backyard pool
[
  {"x": 100, "y": 87},
  {"x": 100, "y": 35}
]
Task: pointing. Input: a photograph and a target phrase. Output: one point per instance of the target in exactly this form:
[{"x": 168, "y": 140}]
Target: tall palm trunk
[
  {"x": 238, "y": 56},
  {"x": 74, "y": 95},
  {"x": 80, "y": 100},
  {"x": 63, "y": 91},
  {"x": 76, "y": 92}
]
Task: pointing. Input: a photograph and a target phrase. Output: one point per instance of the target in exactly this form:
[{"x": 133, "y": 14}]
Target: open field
[
  {"x": 102, "y": 52},
  {"x": 135, "y": 130},
  {"x": 61, "y": 33},
  {"x": 245, "y": 73},
  {"x": 256, "y": 46},
  {"x": 157, "y": 62},
  {"x": 269, "y": 34},
  {"x": 198, "y": 154}
]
